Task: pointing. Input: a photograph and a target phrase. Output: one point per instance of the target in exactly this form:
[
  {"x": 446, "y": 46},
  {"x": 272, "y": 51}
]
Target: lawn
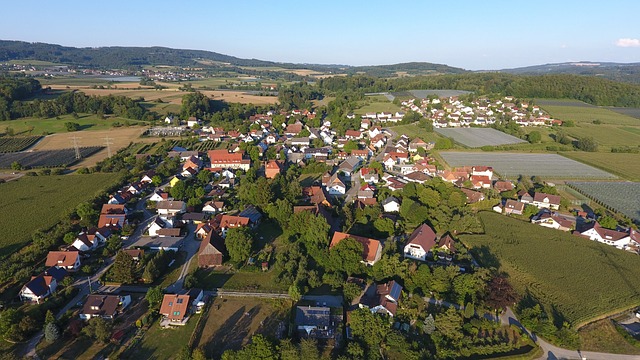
[
  {"x": 31, "y": 203},
  {"x": 414, "y": 130},
  {"x": 159, "y": 343},
  {"x": 626, "y": 165},
  {"x": 255, "y": 281},
  {"x": 232, "y": 321},
  {"x": 54, "y": 125},
  {"x": 581, "y": 280},
  {"x": 602, "y": 336}
]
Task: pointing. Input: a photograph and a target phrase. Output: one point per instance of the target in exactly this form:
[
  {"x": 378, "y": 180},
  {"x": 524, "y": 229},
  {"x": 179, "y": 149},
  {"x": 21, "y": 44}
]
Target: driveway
[{"x": 190, "y": 246}]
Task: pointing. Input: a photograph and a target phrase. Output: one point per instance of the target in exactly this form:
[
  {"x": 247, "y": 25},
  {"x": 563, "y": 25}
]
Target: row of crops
[
  {"x": 46, "y": 158},
  {"x": 9, "y": 144},
  {"x": 619, "y": 196}
]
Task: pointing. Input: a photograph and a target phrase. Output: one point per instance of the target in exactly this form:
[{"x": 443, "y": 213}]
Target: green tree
[
  {"x": 51, "y": 332},
  {"x": 154, "y": 297},
  {"x": 72, "y": 126},
  {"x": 429, "y": 325},
  {"x": 49, "y": 317},
  {"x": 156, "y": 180},
  {"x": 16, "y": 166},
  {"x": 469, "y": 310},
  {"x": 587, "y": 143},
  {"x": 88, "y": 215},
  {"x": 372, "y": 329},
  {"x": 239, "y": 242},
  {"x": 449, "y": 324},
  {"x": 179, "y": 190},
  {"x": 351, "y": 291},
  {"x": 350, "y": 146},
  {"x": 608, "y": 222},
  {"x": 260, "y": 348},
  {"x": 69, "y": 238},
  {"x": 98, "y": 329},
  {"x": 534, "y": 137},
  {"x": 346, "y": 256},
  {"x": 295, "y": 293},
  {"x": 124, "y": 268}
]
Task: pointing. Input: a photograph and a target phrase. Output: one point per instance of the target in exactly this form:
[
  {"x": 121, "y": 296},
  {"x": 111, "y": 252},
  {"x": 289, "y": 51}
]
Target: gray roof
[{"x": 313, "y": 315}]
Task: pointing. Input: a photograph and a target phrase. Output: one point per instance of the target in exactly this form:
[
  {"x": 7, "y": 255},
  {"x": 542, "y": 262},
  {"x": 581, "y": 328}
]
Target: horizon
[{"x": 485, "y": 36}]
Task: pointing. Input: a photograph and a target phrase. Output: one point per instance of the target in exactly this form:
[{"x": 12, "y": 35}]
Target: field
[
  {"x": 17, "y": 143},
  {"x": 478, "y": 137},
  {"x": 376, "y": 104},
  {"x": 624, "y": 197},
  {"x": 46, "y": 158},
  {"x": 581, "y": 279},
  {"x": 53, "y": 125},
  {"x": 602, "y": 336},
  {"x": 607, "y": 136},
  {"x": 510, "y": 165},
  {"x": 31, "y": 203},
  {"x": 232, "y": 321},
  {"x": 414, "y": 130},
  {"x": 625, "y": 165},
  {"x": 159, "y": 343}
]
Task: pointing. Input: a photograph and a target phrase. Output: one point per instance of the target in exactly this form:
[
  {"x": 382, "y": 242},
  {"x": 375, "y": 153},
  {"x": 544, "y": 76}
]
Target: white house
[
  {"x": 157, "y": 225},
  {"x": 546, "y": 201},
  {"x": 597, "y": 233},
  {"x": 391, "y": 204},
  {"x": 41, "y": 286},
  {"x": 421, "y": 241},
  {"x": 335, "y": 186},
  {"x": 170, "y": 207}
]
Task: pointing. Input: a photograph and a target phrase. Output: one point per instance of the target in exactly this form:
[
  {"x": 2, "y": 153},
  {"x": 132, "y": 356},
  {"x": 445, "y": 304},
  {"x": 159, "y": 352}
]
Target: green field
[
  {"x": 625, "y": 165},
  {"x": 414, "y": 130},
  {"x": 377, "y": 104},
  {"x": 159, "y": 343},
  {"x": 38, "y": 202},
  {"x": 587, "y": 114},
  {"x": 581, "y": 279},
  {"x": 53, "y": 125},
  {"x": 607, "y": 136}
]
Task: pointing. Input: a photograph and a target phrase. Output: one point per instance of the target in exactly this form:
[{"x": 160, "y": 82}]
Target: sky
[{"x": 472, "y": 34}]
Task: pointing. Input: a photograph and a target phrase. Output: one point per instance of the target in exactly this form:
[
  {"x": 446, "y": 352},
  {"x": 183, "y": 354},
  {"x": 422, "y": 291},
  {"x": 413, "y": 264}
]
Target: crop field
[
  {"x": 582, "y": 279},
  {"x": 587, "y": 114},
  {"x": 626, "y": 165},
  {"x": 53, "y": 125},
  {"x": 511, "y": 165},
  {"x": 633, "y": 112},
  {"x": 608, "y": 135},
  {"x": 414, "y": 130},
  {"x": 624, "y": 197},
  {"x": 478, "y": 137},
  {"x": 46, "y": 158},
  {"x": 232, "y": 321},
  {"x": 38, "y": 202},
  {"x": 17, "y": 143}
]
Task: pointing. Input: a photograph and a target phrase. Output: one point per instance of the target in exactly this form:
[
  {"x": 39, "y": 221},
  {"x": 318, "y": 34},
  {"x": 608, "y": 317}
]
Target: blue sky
[{"x": 469, "y": 34}]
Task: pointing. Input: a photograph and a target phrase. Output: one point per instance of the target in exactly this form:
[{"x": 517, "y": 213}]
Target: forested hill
[
  {"x": 411, "y": 68},
  {"x": 613, "y": 71}
]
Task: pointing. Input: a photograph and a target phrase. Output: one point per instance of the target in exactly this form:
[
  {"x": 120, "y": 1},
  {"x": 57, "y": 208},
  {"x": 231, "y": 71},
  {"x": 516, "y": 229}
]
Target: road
[{"x": 190, "y": 246}]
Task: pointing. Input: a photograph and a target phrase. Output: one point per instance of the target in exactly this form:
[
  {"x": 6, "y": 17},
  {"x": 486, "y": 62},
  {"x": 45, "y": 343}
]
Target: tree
[
  {"x": 99, "y": 329},
  {"x": 346, "y": 256},
  {"x": 500, "y": 294},
  {"x": 51, "y": 332},
  {"x": 179, "y": 190},
  {"x": 587, "y": 144},
  {"x": 449, "y": 324},
  {"x": 72, "y": 126},
  {"x": 16, "y": 166},
  {"x": 469, "y": 310},
  {"x": 154, "y": 296},
  {"x": 530, "y": 210},
  {"x": 429, "y": 325},
  {"x": 123, "y": 268},
  {"x": 260, "y": 348},
  {"x": 49, "y": 317},
  {"x": 239, "y": 242},
  {"x": 370, "y": 328},
  {"x": 534, "y": 137},
  {"x": 295, "y": 293},
  {"x": 156, "y": 180},
  {"x": 608, "y": 222},
  {"x": 350, "y": 146},
  {"x": 198, "y": 354},
  {"x": 351, "y": 291},
  {"x": 87, "y": 213}
]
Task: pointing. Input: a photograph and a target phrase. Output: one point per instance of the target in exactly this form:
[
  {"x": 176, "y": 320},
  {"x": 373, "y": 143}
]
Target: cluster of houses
[{"x": 453, "y": 112}]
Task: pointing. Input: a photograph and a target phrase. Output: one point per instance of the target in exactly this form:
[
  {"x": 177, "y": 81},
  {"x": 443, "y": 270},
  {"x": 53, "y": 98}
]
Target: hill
[
  {"x": 411, "y": 68},
  {"x": 625, "y": 72}
]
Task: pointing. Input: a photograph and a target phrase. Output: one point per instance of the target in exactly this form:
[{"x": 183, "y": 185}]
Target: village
[{"x": 369, "y": 170}]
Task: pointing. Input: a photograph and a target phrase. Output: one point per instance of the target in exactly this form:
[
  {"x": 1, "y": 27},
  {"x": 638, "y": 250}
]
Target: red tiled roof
[
  {"x": 424, "y": 236},
  {"x": 371, "y": 250}
]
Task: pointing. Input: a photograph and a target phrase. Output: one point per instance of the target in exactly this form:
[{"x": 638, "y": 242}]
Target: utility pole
[
  {"x": 108, "y": 142},
  {"x": 90, "y": 290},
  {"x": 75, "y": 146}
]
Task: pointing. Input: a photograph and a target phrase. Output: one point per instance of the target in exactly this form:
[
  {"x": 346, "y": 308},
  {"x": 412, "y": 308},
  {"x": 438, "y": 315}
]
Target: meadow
[
  {"x": 376, "y": 104},
  {"x": 38, "y": 202},
  {"x": 581, "y": 279},
  {"x": 414, "y": 130},
  {"x": 511, "y": 165},
  {"x": 626, "y": 165}
]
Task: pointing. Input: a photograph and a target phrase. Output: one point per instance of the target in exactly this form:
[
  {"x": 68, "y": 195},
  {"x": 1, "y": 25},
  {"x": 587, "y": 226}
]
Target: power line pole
[
  {"x": 76, "y": 147},
  {"x": 108, "y": 143}
]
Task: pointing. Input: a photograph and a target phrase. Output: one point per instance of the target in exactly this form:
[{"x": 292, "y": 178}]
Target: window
[
  {"x": 170, "y": 303},
  {"x": 179, "y": 301},
  {"x": 176, "y": 313}
]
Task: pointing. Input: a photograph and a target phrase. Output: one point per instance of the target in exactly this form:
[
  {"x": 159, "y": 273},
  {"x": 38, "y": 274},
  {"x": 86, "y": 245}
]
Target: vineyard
[
  {"x": 575, "y": 278},
  {"x": 618, "y": 196},
  {"x": 9, "y": 144},
  {"x": 46, "y": 158}
]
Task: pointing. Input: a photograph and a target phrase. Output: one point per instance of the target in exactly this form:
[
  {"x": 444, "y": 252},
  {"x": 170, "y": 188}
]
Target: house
[
  {"x": 171, "y": 207},
  {"x": 112, "y": 215},
  {"x": 447, "y": 244},
  {"x": 174, "y": 180},
  {"x": 480, "y": 181},
  {"x": 194, "y": 218},
  {"x": 159, "y": 195},
  {"x": 68, "y": 260},
  {"x": 335, "y": 186},
  {"x": 420, "y": 242},
  {"x": 213, "y": 207},
  {"x": 595, "y": 232},
  {"x": 252, "y": 214},
  {"x": 272, "y": 168},
  {"x": 316, "y": 195},
  {"x": 546, "y": 201},
  {"x": 175, "y": 308},
  {"x": 316, "y": 322},
  {"x": 293, "y": 129},
  {"x": 193, "y": 121},
  {"x": 353, "y": 134},
  {"x": 416, "y": 144},
  {"x": 104, "y": 306},
  {"x": 472, "y": 196},
  {"x": 232, "y": 221},
  {"x": 525, "y": 197},
  {"x": 348, "y": 166},
  {"x": 369, "y": 175},
  {"x": 514, "y": 207},
  {"x": 366, "y": 191},
  {"x": 300, "y": 142},
  {"x": 166, "y": 243},
  {"x": 503, "y": 185},
  {"x": 212, "y": 250},
  {"x": 363, "y": 155},
  {"x": 391, "y": 204},
  {"x": 169, "y": 232},
  {"x": 554, "y": 220},
  {"x": 85, "y": 243},
  {"x": 417, "y": 177},
  {"x": 226, "y": 160},
  {"x": 381, "y": 299},
  {"x": 156, "y": 225},
  {"x": 136, "y": 254},
  {"x": 482, "y": 171},
  {"x": 42, "y": 286},
  {"x": 372, "y": 249}
]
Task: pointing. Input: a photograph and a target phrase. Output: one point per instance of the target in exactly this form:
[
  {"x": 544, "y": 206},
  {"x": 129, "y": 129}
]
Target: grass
[
  {"x": 31, "y": 203},
  {"x": 80, "y": 348},
  {"x": 159, "y": 343},
  {"x": 229, "y": 327},
  {"x": 607, "y": 136},
  {"x": 587, "y": 114},
  {"x": 414, "y": 130},
  {"x": 602, "y": 336},
  {"x": 256, "y": 281},
  {"x": 53, "y": 125},
  {"x": 580, "y": 280},
  {"x": 621, "y": 164},
  {"x": 376, "y": 105}
]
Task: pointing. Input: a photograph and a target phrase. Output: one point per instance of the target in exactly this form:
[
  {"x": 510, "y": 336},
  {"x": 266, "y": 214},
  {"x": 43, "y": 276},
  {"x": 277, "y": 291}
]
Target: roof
[
  {"x": 175, "y": 307},
  {"x": 233, "y": 221},
  {"x": 112, "y": 209},
  {"x": 194, "y": 216},
  {"x": 514, "y": 205},
  {"x": 62, "y": 258},
  {"x": 389, "y": 200},
  {"x": 447, "y": 242},
  {"x": 224, "y": 157},
  {"x": 551, "y": 199},
  {"x": 102, "y": 305},
  {"x": 371, "y": 249},
  {"x": 319, "y": 316},
  {"x": 134, "y": 253},
  {"x": 38, "y": 285},
  {"x": 212, "y": 244},
  {"x": 424, "y": 236},
  {"x": 170, "y": 205},
  {"x": 392, "y": 289},
  {"x": 503, "y": 185},
  {"x": 252, "y": 213},
  {"x": 607, "y": 234},
  {"x": 169, "y": 232},
  {"x": 472, "y": 196},
  {"x": 56, "y": 272}
]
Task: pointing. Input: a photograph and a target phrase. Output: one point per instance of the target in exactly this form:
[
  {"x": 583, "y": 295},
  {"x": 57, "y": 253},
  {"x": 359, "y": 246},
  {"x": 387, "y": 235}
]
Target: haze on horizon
[{"x": 486, "y": 35}]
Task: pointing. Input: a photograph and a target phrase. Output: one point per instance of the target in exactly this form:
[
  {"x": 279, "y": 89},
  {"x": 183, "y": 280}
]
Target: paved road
[{"x": 190, "y": 246}]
